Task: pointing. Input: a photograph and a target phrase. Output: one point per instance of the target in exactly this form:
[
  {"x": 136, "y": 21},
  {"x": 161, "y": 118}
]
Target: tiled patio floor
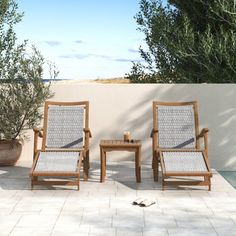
[{"x": 106, "y": 209}]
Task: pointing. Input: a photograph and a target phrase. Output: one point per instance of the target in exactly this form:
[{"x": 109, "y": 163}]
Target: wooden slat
[
  {"x": 194, "y": 182},
  {"x": 187, "y": 174},
  {"x": 55, "y": 182},
  {"x": 54, "y": 173}
]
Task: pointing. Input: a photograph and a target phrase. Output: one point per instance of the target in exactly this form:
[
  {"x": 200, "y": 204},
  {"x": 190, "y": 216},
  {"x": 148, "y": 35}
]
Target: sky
[{"x": 86, "y": 39}]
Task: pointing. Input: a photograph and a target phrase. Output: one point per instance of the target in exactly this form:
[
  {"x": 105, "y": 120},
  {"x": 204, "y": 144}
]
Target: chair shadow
[
  {"x": 124, "y": 174},
  {"x": 14, "y": 178},
  {"x": 17, "y": 178}
]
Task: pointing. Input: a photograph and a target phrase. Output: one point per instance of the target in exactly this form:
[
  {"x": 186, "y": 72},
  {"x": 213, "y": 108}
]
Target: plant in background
[
  {"x": 22, "y": 90},
  {"x": 188, "y": 42}
]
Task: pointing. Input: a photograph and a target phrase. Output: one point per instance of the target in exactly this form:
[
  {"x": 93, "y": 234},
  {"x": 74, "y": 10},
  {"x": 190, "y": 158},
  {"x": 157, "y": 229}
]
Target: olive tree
[
  {"x": 191, "y": 41},
  {"x": 22, "y": 89}
]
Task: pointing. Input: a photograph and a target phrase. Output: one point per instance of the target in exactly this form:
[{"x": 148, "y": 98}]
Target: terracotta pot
[{"x": 10, "y": 151}]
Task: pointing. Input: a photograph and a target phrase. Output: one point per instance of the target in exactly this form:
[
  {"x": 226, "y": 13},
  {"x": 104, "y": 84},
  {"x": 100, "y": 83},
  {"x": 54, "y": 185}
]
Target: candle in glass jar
[{"x": 127, "y": 136}]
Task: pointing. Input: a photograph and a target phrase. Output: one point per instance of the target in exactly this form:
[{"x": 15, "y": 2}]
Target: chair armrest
[
  {"x": 88, "y": 131},
  {"x": 203, "y": 132},
  {"x": 38, "y": 131},
  {"x": 152, "y": 132}
]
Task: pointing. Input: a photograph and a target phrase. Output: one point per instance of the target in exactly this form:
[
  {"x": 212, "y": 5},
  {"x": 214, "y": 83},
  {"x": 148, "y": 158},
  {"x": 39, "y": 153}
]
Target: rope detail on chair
[
  {"x": 65, "y": 127},
  {"x": 176, "y": 126},
  {"x": 184, "y": 162}
]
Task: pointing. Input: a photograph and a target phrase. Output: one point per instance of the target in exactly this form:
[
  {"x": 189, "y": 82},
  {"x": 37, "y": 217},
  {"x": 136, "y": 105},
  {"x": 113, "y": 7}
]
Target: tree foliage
[
  {"x": 192, "y": 41},
  {"x": 22, "y": 90}
]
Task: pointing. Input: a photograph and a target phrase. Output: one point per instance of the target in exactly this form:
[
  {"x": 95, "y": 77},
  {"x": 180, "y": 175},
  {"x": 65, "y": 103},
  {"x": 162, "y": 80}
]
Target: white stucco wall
[{"x": 115, "y": 108}]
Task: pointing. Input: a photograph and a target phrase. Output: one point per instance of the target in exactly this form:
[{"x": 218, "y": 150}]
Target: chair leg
[
  {"x": 155, "y": 169},
  {"x": 86, "y": 165},
  {"x": 87, "y": 157},
  {"x": 207, "y": 179},
  {"x": 78, "y": 185},
  {"x": 209, "y": 186},
  {"x": 163, "y": 183},
  {"x": 152, "y": 160},
  {"x": 32, "y": 184},
  {"x": 33, "y": 179},
  {"x": 85, "y": 169}
]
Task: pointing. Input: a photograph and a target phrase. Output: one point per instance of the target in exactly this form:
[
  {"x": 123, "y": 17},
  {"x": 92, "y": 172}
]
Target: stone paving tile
[
  {"x": 223, "y": 231},
  {"x": 129, "y": 232},
  {"x": 127, "y": 188},
  {"x": 34, "y": 221},
  {"x": 149, "y": 193},
  {"x": 198, "y": 194},
  {"x": 154, "y": 230},
  {"x": 7, "y": 223},
  {"x": 176, "y": 194},
  {"x": 13, "y": 184},
  {"x": 233, "y": 217},
  {"x": 68, "y": 221},
  {"x": 81, "y": 231},
  {"x": 122, "y": 202},
  {"x": 193, "y": 222},
  {"x": 221, "y": 221},
  {"x": 106, "y": 208},
  {"x": 7, "y": 193},
  {"x": 200, "y": 212},
  {"x": 8, "y": 204},
  {"x": 108, "y": 212},
  {"x": 183, "y": 203},
  {"x": 128, "y": 219},
  {"x": 162, "y": 221},
  {"x": 23, "y": 231},
  {"x": 96, "y": 231},
  {"x": 37, "y": 206},
  {"x": 22, "y": 213},
  {"x": 192, "y": 232},
  {"x": 86, "y": 202},
  {"x": 96, "y": 221},
  {"x": 152, "y": 211},
  {"x": 174, "y": 212}
]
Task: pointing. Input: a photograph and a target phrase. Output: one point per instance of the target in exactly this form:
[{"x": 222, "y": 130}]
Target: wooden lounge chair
[
  {"x": 176, "y": 145},
  {"x": 65, "y": 144}
]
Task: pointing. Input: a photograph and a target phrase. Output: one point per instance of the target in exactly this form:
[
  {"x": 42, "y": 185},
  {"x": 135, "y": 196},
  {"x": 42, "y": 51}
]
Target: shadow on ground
[
  {"x": 122, "y": 174},
  {"x": 14, "y": 178}
]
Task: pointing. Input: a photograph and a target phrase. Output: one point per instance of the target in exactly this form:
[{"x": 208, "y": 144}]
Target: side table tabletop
[{"x": 120, "y": 145}]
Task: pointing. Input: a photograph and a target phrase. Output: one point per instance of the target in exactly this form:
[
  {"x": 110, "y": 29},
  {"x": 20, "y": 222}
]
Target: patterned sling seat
[
  {"x": 65, "y": 143},
  {"x": 176, "y": 144}
]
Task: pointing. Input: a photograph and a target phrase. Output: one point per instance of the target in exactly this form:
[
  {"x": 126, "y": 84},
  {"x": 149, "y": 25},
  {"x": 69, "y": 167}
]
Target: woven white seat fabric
[
  {"x": 65, "y": 127},
  {"x": 57, "y": 162},
  {"x": 176, "y": 127},
  {"x": 184, "y": 162}
]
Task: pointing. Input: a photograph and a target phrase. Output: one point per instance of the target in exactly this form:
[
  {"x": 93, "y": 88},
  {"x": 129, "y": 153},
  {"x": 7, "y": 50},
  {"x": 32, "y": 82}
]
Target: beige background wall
[{"x": 119, "y": 107}]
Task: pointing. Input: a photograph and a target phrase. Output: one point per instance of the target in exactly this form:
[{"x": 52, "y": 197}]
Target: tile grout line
[
  {"x": 213, "y": 226},
  {"x": 13, "y": 209},
  {"x": 15, "y": 225},
  {"x": 58, "y": 216}
]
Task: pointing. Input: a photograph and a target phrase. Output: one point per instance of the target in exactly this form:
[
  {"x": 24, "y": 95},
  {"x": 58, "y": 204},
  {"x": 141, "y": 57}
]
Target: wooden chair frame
[
  {"x": 158, "y": 152},
  {"x": 83, "y": 152}
]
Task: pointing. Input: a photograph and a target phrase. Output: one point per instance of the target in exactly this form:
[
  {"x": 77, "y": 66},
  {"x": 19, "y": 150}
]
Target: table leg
[
  {"x": 102, "y": 165},
  {"x": 138, "y": 164},
  {"x": 105, "y": 163}
]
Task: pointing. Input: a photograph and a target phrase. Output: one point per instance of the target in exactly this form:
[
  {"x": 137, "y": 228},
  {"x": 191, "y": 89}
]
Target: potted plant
[{"x": 22, "y": 89}]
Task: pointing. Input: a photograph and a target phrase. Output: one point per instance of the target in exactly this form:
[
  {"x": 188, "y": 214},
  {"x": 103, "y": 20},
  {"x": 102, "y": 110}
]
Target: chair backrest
[
  {"x": 177, "y": 125},
  {"x": 64, "y": 124}
]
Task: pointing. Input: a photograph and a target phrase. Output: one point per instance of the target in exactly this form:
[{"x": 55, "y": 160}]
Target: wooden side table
[{"x": 120, "y": 145}]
